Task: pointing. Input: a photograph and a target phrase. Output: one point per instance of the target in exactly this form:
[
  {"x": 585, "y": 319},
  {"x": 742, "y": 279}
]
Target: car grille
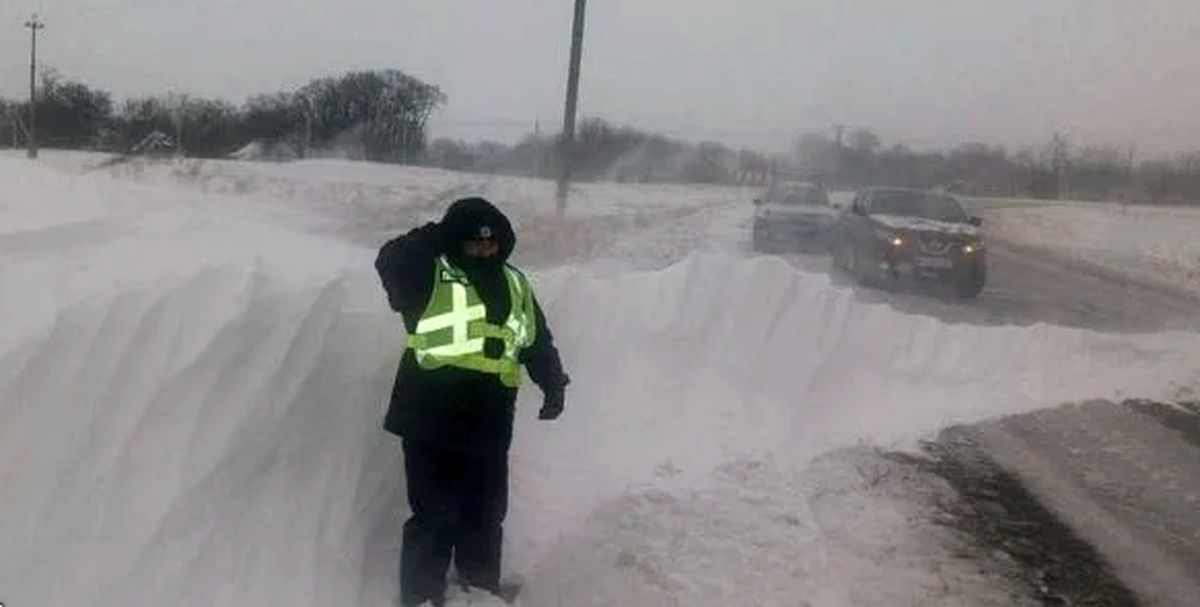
[{"x": 934, "y": 244}]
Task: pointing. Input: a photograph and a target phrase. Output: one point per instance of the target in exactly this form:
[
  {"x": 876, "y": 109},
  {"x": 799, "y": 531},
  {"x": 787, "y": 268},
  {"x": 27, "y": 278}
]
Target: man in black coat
[{"x": 456, "y": 423}]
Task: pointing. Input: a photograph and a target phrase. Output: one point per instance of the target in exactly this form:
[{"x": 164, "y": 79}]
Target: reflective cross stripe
[{"x": 458, "y": 318}]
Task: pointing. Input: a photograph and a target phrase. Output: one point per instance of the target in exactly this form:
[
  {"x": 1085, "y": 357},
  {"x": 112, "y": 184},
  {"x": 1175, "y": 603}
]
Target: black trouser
[{"x": 458, "y": 503}]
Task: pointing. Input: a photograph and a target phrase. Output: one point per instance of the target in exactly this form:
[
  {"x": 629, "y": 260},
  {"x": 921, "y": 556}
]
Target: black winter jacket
[{"x": 449, "y": 407}]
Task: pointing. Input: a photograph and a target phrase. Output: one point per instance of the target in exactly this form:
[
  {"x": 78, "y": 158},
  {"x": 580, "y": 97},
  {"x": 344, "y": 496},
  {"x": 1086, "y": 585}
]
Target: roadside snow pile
[
  {"x": 1157, "y": 244},
  {"x": 177, "y": 390},
  {"x": 191, "y": 401}
]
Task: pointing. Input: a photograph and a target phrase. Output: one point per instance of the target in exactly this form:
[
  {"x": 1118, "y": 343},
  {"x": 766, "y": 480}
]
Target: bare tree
[{"x": 864, "y": 141}]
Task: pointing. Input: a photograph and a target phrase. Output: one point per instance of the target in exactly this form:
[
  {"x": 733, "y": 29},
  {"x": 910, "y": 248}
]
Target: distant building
[{"x": 156, "y": 143}]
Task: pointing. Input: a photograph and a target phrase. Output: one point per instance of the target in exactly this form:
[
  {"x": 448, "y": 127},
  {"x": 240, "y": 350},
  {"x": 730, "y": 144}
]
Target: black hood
[
  {"x": 920, "y": 225},
  {"x": 471, "y": 218}
]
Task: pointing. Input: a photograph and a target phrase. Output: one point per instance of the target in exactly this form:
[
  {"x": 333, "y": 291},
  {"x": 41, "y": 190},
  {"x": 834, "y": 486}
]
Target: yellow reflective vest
[{"x": 452, "y": 330}]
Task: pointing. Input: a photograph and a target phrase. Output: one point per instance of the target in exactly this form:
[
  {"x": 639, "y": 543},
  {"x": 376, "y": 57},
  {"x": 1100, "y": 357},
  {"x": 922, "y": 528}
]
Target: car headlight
[
  {"x": 890, "y": 237},
  {"x": 972, "y": 247}
]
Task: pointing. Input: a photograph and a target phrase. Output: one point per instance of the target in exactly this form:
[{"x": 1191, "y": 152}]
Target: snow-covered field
[
  {"x": 367, "y": 203},
  {"x": 1155, "y": 244},
  {"x": 195, "y": 358}
]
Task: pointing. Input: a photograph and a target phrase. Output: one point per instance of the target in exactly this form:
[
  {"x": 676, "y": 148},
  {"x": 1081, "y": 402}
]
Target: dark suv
[{"x": 889, "y": 235}]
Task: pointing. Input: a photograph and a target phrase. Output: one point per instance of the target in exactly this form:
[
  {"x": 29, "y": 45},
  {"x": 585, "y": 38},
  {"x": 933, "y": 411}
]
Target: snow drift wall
[
  {"x": 214, "y": 439},
  {"x": 190, "y": 405}
]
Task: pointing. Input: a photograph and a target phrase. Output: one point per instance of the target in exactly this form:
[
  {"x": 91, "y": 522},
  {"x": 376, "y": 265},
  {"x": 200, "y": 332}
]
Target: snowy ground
[
  {"x": 367, "y": 203},
  {"x": 197, "y": 354}
]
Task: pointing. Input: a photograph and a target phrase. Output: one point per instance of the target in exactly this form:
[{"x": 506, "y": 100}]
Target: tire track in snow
[
  {"x": 1009, "y": 523},
  {"x": 1099, "y": 501}
]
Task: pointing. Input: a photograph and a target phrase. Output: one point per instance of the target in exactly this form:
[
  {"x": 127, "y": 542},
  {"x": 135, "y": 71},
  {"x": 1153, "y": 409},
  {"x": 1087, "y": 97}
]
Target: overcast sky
[{"x": 754, "y": 72}]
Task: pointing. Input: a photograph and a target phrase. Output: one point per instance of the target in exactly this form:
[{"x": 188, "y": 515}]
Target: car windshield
[
  {"x": 925, "y": 205},
  {"x": 798, "y": 195}
]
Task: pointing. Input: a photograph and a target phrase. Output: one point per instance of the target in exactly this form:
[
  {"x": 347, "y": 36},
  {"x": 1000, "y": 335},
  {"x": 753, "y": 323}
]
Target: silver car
[{"x": 793, "y": 216}]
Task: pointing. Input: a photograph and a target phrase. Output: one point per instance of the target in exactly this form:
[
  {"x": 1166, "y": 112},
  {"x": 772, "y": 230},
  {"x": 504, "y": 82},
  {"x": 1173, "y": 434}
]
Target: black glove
[
  {"x": 435, "y": 237},
  {"x": 552, "y": 406}
]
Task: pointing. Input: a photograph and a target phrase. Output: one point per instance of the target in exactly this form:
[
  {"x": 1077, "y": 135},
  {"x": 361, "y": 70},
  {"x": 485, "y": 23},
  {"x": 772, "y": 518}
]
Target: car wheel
[
  {"x": 970, "y": 285},
  {"x": 835, "y": 255},
  {"x": 761, "y": 241},
  {"x": 842, "y": 257}
]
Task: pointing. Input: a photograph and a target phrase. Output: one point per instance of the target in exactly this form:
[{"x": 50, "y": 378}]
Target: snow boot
[
  {"x": 505, "y": 591},
  {"x": 437, "y": 602}
]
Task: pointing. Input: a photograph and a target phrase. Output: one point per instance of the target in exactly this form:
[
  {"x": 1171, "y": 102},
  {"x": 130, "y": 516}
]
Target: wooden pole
[
  {"x": 34, "y": 25},
  {"x": 567, "y": 149}
]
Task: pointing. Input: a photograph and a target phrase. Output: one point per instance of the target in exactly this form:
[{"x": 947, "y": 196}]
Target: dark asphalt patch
[{"x": 1007, "y": 521}]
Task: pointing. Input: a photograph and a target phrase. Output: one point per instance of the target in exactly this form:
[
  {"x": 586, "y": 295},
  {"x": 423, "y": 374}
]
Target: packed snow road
[
  {"x": 1038, "y": 283},
  {"x": 1096, "y": 503},
  {"x": 1126, "y": 482},
  {"x": 191, "y": 401},
  {"x": 1027, "y": 286}
]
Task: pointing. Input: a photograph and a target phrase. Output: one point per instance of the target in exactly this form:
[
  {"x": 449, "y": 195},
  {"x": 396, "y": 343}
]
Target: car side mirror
[{"x": 975, "y": 221}]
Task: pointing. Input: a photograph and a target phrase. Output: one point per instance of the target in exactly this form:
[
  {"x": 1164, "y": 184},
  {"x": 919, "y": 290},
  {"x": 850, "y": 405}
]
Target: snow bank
[
  {"x": 375, "y": 198},
  {"x": 191, "y": 400},
  {"x": 1151, "y": 243},
  {"x": 640, "y": 226}
]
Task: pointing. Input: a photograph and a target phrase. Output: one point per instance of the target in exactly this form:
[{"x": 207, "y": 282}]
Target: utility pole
[
  {"x": 567, "y": 151},
  {"x": 537, "y": 160},
  {"x": 175, "y": 104},
  {"x": 307, "y": 136},
  {"x": 34, "y": 25},
  {"x": 14, "y": 115},
  {"x": 307, "y": 141},
  {"x": 303, "y": 104},
  {"x": 839, "y": 131}
]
